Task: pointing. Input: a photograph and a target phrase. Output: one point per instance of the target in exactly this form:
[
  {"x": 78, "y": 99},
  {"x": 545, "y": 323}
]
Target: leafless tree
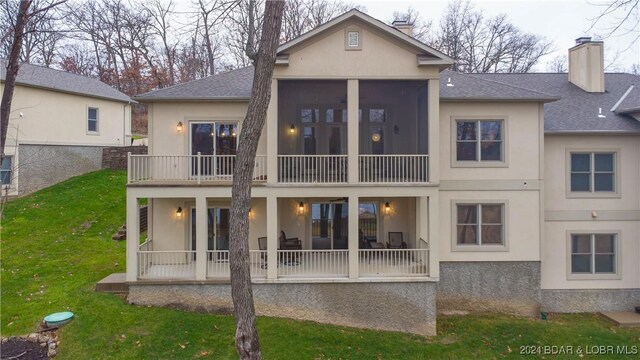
[
  {"x": 480, "y": 44},
  {"x": 20, "y": 27},
  {"x": 558, "y": 64},
  {"x": 160, "y": 14},
  {"x": 625, "y": 17},
  {"x": 422, "y": 29},
  {"x": 247, "y": 342}
]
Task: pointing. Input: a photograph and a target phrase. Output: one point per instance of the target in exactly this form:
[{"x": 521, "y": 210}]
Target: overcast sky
[{"x": 561, "y": 21}]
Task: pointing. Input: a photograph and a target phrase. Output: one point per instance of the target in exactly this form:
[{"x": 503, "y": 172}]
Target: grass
[{"x": 56, "y": 245}]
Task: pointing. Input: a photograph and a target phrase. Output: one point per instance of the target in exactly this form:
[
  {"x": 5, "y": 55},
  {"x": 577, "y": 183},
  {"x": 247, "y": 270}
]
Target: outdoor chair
[
  {"x": 262, "y": 245},
  {"x": 290, "y": 259},
  {"x": 396, "y": 241}
]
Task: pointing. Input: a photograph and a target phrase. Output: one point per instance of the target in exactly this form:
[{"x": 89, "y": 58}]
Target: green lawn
[{"x": 57, "y": 243}]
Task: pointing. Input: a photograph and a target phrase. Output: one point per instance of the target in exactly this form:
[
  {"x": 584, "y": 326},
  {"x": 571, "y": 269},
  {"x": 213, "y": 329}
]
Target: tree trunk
[
  {"x": 12, "y": 72},
  {"x": 247, "y": 342}
]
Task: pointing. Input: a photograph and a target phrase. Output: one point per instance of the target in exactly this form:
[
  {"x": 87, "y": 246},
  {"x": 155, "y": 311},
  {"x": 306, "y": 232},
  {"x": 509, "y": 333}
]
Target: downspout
[{"x": 124, "y": 123}]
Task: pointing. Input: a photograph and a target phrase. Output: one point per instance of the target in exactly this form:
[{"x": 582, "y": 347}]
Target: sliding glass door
[
  {"x": 329, "y": 225},
  {"x": 216, "y": 142},
  {"x": 217, "y": 228}
]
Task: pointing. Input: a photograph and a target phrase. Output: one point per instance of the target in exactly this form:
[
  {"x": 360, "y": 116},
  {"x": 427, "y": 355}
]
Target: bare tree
[
  {"x": 24, "y": 15},
  {"x": 480, "y": 44},
  {"x": 247, "y": 342},
  {"x": 625, "y": 17},
  {"x": 422, "y": 29},
  {"x": 558, "y": 64}
]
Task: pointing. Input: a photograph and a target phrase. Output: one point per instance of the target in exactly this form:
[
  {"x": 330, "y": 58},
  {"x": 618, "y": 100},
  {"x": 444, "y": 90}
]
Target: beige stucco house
[
  {"x": 58, "y": 126},
  {"x": 387, "y": 188}
]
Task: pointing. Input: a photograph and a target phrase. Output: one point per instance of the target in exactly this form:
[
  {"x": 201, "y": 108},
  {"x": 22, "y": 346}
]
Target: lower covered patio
[{"x": 300, "y": 239}]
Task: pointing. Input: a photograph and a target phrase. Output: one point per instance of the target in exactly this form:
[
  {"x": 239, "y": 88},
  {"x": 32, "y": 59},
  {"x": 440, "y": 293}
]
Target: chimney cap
[
  {"x": 401, "y": 22},
  {"x": 583, "y": 40}
]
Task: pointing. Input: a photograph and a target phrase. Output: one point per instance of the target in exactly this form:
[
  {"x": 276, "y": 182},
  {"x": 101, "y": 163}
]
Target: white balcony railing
[
  {"x": 309, "y": 169},
  {"x": 179, "y": 264},
  {"x": 395, "y": 262},
  {"x": 218, "y": 264},
  {"x": 313, "y": 263},
  {"x": 393, "y": 168},
  {"x": 189, "y": 168}
]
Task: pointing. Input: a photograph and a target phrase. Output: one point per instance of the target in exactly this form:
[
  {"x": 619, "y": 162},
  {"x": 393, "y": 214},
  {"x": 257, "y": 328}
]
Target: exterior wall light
[
  {"x": 301, "y": 208},
  {"x": 387, "y": 207},
  {"x": 292, "y": 129},
  {"x": 375, "y": 137},
  {"x": 179, "y": 212},
  {"x": 179, "y": 126}
]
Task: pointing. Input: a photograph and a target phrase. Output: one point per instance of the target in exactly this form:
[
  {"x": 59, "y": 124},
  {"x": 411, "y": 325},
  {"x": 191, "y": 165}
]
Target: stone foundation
[
  {"x": 590, "y": 300},
  {"x": 504, "y": 287},
  {"x": 41, "y": 166},
  {"x": 406, "y": 306}
]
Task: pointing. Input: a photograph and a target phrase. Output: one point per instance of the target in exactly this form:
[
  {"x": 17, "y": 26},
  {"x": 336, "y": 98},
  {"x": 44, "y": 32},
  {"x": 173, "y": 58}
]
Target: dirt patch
[{"x": 22, "y": 349}]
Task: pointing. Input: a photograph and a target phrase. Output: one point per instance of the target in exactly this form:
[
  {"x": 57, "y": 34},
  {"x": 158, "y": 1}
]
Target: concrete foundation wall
[
  {"x": 505, "y": 287},
  {"x": 590, "y": 300},
  {"x": 44, "y": 165},
  {"x": 406, "y": 307}
]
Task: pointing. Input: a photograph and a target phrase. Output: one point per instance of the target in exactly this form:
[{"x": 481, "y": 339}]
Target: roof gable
[{"x": 426, "y": 54}]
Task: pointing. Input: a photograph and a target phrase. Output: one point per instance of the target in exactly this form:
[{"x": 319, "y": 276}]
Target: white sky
[{"x": 561, "y": 21}]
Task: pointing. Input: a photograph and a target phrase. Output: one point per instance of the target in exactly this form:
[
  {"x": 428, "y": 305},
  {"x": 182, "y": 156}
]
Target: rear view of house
[
  {"x": 58, "y": 126},
  {"x": 385, "y": 188}
]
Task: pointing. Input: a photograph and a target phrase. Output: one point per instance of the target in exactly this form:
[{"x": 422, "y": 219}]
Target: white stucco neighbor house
[
  {"x": 388, "y": 188},
  {"x": 58, "y": 126}
]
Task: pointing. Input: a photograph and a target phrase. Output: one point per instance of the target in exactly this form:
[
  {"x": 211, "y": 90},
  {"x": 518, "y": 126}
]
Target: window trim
[
  {"x": 348, "y": 30},
  {"x": 592, "y": 194},
  {"x": 455, "y": 247},
  {"x": 455, "y": 163},
  {"x": 11, "y": 171},
  {"x": 97, "y": 131},
  {"x": 593, "y": 276}
]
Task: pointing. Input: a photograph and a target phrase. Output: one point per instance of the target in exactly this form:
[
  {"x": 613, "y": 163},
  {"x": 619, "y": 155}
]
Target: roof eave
[
  {"x": 191, "y": 99},
  {"x": 485, "y": 99},
  {"x": 592, "y": 132},
  {"x": 130, "y": 100}
]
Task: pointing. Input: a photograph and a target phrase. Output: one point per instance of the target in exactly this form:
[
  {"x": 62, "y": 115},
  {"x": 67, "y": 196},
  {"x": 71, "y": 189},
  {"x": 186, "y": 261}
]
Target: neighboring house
[
  {"x": 58, "y": 126},
  {"x": 386, "y": 187}
]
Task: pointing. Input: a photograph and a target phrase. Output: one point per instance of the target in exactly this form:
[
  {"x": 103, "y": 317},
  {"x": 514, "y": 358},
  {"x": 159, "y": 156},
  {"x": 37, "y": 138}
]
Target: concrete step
[{"x": 114, "y": 283}]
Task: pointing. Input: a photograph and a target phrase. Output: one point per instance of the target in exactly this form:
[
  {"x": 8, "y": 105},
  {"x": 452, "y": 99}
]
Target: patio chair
[
  {"x": 396, "y": 241},
  {"x": 262, "y": 245},
  {"x": 289, "y": 243}
]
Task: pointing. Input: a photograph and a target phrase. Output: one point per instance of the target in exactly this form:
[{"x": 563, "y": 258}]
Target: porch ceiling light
[
  {"x": 375, "y": 137},
  {"x": 292, "y": 129},
  {"x": 179, "y": 212},
  {"x": 179, "y": 126}
]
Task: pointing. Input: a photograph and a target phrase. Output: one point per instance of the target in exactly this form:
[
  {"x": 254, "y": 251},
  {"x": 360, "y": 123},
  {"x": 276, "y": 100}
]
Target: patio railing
[
  {"x": 218, "y": 264},
  {"x": 394, "y": 168},
  {"x": 311, "y": 169},
  {"x": 179, "y": 264},
  {"x": 395, "y": 262},
  {"x": 313, "y": 263},
  {"x": 196, "y": 168}
]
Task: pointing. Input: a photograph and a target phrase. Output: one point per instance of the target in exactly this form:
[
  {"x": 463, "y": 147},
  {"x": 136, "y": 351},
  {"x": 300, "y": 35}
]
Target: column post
[
  {"x": 201, "y": 237},
  {"x": 272, "y": 135},
  {"x": 354, "y": 264},
  {"x": 133, "y": 236},
  {"x": 272, "y": 237},
  {"x": 353, "y": 128},
  {"x": 434, "y": 131},
  {"x": 432, "y": 218}
]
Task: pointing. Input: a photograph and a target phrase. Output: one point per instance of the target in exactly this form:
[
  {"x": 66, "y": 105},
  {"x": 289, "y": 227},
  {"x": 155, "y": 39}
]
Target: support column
[
  {"x": 353, "y": 128},
  {"x": 133, "y": 236},
  {"x": 432, "y": 218},
  {"x": 354, "y": 264},
  {"x": 272, "y": 135},
  {"x": 272, "y": 237},
  {"x": 434, "y": 131},
  {"x": 201, "y": 238}
]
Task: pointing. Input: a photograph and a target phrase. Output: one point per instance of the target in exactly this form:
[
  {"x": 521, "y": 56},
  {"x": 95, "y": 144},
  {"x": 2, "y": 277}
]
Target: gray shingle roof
[
  {"x": 230, "y": 85},
  {"x": 43, "y": 77},
  {"x": 578, "y": 110},
  {"x": 469, "y": 87},
  {"x": 631, "y": 101}
]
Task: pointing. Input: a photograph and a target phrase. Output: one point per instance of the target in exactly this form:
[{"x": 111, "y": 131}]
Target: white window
[
  {"x": 479, "y": 225},
  {"x": 92, "y": 120},
  {"x": 353, "y": 39},
  {"x": 593, "y": 255},
  {"x": 593, "y": 172},
  {"x": 479, "y": 141},
  {"x": 6, "y": 170}
]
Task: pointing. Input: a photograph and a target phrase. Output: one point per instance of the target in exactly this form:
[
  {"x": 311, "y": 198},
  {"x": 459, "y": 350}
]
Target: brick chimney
[
  {"x": 586, "y": 64},
  {"x": 404, "y": 26}
]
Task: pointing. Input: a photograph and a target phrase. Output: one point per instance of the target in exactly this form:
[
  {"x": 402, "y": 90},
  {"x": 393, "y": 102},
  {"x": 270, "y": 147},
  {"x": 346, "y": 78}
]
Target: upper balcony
[{"x": 326, "y": 132}]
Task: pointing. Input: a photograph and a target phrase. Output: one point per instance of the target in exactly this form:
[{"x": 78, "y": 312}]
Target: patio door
[
  {"x": 329, "y": 225},
  {"x": 217, "y": 228},
  {"x": 217, "y": 143}
]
